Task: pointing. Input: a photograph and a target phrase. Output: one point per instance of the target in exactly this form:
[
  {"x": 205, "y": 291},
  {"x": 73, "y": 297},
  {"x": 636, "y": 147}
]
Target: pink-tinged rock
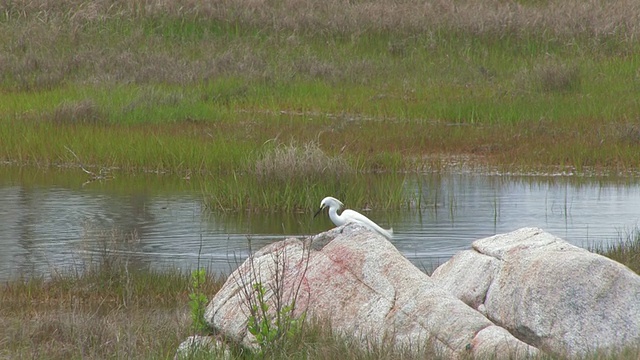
[{"x": 361, "y": 284}]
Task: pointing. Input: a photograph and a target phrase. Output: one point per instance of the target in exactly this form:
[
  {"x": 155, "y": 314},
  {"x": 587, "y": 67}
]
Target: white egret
[{"x": 349, "y": 216}]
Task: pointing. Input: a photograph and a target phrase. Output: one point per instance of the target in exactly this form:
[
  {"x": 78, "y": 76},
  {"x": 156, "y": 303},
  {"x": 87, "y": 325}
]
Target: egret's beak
[{"x": 318, "y": 212}]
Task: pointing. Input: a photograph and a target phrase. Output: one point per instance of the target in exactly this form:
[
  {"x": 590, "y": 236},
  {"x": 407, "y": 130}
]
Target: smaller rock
[
  {"x": 202, "y": 345},
  {"x": 560, "y": 298},
  {"x": 494, "y": 340}
]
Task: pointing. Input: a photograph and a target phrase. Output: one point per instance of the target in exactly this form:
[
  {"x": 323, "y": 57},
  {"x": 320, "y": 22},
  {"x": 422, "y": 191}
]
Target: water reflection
[{"x": 49, "y": 222}]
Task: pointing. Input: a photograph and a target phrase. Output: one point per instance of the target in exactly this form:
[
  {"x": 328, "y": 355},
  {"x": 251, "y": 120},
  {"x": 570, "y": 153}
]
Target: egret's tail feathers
[{"x": 384, "y": 232}]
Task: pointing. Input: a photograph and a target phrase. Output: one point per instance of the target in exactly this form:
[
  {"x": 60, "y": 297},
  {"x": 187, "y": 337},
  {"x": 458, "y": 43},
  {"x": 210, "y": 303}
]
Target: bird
[{"x": 349, "y": 216}]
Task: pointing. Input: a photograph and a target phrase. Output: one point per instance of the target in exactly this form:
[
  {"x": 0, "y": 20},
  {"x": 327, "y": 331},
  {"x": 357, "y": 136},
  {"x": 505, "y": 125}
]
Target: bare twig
[
  {"x": 80, "y": 162},
  {"x": 92, "y": 176}
]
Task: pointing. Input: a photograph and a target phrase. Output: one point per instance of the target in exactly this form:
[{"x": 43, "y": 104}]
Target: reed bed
[
  {"x": 294, "y": 177},
  {"x": 194, "y": 87},
  {"x": 245, "y": 192}
]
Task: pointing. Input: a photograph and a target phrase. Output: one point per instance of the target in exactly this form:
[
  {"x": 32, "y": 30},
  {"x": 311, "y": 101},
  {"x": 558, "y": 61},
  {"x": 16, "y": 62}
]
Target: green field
[
  {"x": 387, "y": 86},
  {"x": 200, "y": 89}
]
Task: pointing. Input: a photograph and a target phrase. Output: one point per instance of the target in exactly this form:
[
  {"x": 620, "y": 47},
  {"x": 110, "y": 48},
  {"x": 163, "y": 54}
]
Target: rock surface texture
[
  {"x": 555, "y": 296},
  {"x": 359, "y": 281}
]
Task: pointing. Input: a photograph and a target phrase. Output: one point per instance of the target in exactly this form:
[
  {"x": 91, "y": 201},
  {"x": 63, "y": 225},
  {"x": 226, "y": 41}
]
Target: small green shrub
[
  {"x": 271, "y": 330},
  {"x": 198, "y": 301}
]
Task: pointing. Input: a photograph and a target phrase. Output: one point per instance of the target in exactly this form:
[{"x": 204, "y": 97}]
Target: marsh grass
[
  {"x": 305, "y": 162},
  {"x": 557, "y": 77},
  {"x": 383, "y": 87},
  {"x": 108, "y": 308},
  {"x": 84, "y": 112},
  {"x": 245, "y": 192},
  {"x": 626, "y": 250},
  {"x": 293, "y": 177}
]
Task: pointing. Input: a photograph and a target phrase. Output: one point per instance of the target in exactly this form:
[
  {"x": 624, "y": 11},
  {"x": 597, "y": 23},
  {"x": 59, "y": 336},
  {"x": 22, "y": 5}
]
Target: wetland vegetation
[
  {"x": 211, "y": 89},
  {"x": 279, "y": 103}
]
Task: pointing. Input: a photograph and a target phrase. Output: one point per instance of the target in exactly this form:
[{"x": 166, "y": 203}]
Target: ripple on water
[{"x": 49, "y": 226}]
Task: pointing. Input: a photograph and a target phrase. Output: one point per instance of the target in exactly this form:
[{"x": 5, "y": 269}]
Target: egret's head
[{"x": 329, "y": 202}]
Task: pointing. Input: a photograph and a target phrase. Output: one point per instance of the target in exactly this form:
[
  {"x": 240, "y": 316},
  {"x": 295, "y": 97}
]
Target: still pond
[{"x": 52, "y": 222}]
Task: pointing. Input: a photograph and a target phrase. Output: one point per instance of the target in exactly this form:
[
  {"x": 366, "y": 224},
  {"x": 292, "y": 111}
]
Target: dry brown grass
[
  {"x": 87, "y": 332},
  {"x": 300, "y": 162},
  {"x": 554, "y": 76},
  {"x": 106, "y": 312},
  {"x": 108, "y": 307},
  {"x": 593, "y": 18},
  {"x": 126, "y": 41},
  {"x": 80, "y": 112},
  {"x": 57, "y": 321},
  {"x": 628, "y": 133}
]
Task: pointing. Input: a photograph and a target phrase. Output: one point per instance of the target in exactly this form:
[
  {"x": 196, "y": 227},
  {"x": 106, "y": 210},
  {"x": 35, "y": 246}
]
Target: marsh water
[{"x": 54, "y": 222}]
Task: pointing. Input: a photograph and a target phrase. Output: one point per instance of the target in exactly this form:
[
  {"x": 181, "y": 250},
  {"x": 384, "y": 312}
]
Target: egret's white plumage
[{"x": 348, "y": 216}]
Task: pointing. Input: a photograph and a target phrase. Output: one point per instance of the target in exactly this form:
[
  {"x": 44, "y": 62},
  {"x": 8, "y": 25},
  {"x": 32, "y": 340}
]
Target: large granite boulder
[
  {"x": 364, "y": 287},
  {"x": 555, "y": 296}
]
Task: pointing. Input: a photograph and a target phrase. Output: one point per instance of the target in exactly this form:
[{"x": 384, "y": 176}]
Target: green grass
[
  {"x": 626, "y": 250},
  {"x": 191, "y": 87},
  {"x": 241, "y": 192},
  {"x": 291, "y": 178}
]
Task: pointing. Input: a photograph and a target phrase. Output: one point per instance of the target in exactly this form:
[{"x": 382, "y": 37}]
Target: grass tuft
[
  {"x": 626, "y": 250},
  {"x": 78, "y": 112},
  {"x": 300, "y": 163},
  {"x": 628, "y": 133},
  {"x": 553, "y": 76}
]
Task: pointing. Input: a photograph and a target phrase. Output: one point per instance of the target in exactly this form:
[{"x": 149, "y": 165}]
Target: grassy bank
[
  {"x": 194, "y": 87},
  {"x": 111, "y": 310},
  {"x": 106, "y": 312},
  {"x": 115, "y": 314}
]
